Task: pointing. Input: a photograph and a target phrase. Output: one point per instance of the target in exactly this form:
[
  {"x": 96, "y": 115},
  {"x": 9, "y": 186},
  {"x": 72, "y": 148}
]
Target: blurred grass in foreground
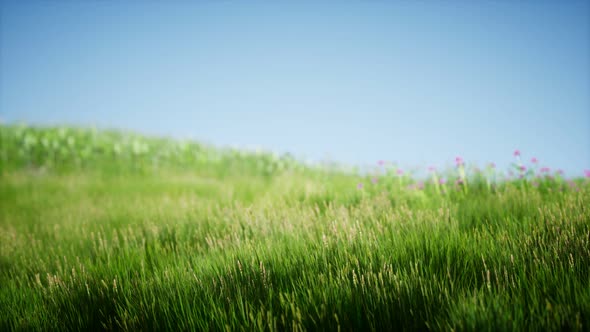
[{"x": 116, "y": 231}]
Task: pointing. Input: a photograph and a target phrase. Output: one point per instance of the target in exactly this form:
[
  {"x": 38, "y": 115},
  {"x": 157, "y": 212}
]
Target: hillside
[{"x": 108, "y": 230}]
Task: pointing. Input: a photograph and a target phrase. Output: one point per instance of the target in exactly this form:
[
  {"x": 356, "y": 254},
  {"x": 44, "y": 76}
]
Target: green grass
[{"x": 166, "y": 235}]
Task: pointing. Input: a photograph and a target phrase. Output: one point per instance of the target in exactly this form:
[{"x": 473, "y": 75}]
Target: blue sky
[{"x": 416, "y": 83}]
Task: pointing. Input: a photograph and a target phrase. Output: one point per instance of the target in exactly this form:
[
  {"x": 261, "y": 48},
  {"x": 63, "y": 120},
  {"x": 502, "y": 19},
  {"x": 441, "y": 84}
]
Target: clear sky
[{"x": 415, "y": 82}]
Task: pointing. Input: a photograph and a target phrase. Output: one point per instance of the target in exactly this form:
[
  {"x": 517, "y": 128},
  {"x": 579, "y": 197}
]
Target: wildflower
[
  {"x": 459, "y": 181},
  {"x": 400, "y": 172},
  {"x": 545, "y": 169},
  {"x": 381, "y": 163},
  {"x": 420, "y": 185},
  {"x": 534, "y": 160},
  {"x": 517, "y": 153},
  {"x": 587, "y": 173},
  {"x": 458, "y": 161},
  {"x": 492, "y": 165},
  {"x": 431, "y": 169},
  {"x": 374, "y": 180},
  {"x": 522, "y": 168},
  {"x": 442, "y": 181},
  {"x": 560, "y": 171},
  {"x": 359, "y": 186}
]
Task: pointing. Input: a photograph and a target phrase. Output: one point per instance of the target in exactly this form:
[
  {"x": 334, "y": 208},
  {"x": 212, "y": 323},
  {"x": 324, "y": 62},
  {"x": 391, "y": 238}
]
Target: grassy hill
[{"x": 105, "y": 230}]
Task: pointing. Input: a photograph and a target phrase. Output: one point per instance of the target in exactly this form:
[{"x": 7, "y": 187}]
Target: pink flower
[
  {"x": 522, "y": 168},
  {"x": 534, "y": 160},
  {"x": 458, "y": 161},
  {"x": 374, "y": 180},
  {"x": 400, "y": 171},
  {"x": 359, "y": 186},
  {"x": 381, "y": 162},
  {"x": 545, "y": 169},
  {"x": 587, "y": 173},
  {"x": 431, "y": 169},
  {"x": 516, "y": 152},
  {"x": 442, "y": 181},
  {"x": 459, "y": 181}
]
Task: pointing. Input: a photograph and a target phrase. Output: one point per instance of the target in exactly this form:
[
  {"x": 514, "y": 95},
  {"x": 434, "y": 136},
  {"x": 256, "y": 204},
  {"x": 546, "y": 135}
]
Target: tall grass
[{"x": 225, "y": 240}]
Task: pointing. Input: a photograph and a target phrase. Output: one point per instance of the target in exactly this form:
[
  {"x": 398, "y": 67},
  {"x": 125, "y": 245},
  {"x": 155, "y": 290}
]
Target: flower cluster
[{"x": 532, "y": 175}]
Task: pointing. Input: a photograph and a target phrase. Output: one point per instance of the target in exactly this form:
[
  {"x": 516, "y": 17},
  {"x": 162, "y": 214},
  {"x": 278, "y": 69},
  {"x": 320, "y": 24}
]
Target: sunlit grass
[{"x": 205, "y": 239}]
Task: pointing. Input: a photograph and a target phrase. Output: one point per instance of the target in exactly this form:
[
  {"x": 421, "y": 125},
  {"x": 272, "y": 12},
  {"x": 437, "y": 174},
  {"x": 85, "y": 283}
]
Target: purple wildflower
[
  {"x": 381, "y": 163},
  {"x": 458, "y": 161},
  {"x": 534, "y": 160},
  {"x": 517, "y": 153},
  {"x": 400, "y": 171},
  {"x": 359, "y": 186},
  {"x": 522, "y": 168},
  {"x": 587, "y": 173},
  {"x": 545, "y": 169},
  {"x": 442, "y": 181}
]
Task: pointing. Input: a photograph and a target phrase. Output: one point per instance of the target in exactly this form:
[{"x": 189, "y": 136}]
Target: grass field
[{"x": 116, "y": 231}]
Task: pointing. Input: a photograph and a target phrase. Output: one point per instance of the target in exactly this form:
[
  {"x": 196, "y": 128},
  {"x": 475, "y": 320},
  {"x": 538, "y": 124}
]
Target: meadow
[{"x": 109, "y": 230}]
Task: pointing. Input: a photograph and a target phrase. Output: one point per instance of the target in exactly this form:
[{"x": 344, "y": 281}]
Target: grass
[{"x": 170, "y": 235}]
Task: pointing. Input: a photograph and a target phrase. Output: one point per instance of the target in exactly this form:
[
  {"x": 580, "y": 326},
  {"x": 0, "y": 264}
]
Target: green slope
[{"x": 103, "y": 230}]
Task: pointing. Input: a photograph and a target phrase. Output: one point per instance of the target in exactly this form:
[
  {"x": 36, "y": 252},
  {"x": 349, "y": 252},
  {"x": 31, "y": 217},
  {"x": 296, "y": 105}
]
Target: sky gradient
[{"x": 416, "y": 83}]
